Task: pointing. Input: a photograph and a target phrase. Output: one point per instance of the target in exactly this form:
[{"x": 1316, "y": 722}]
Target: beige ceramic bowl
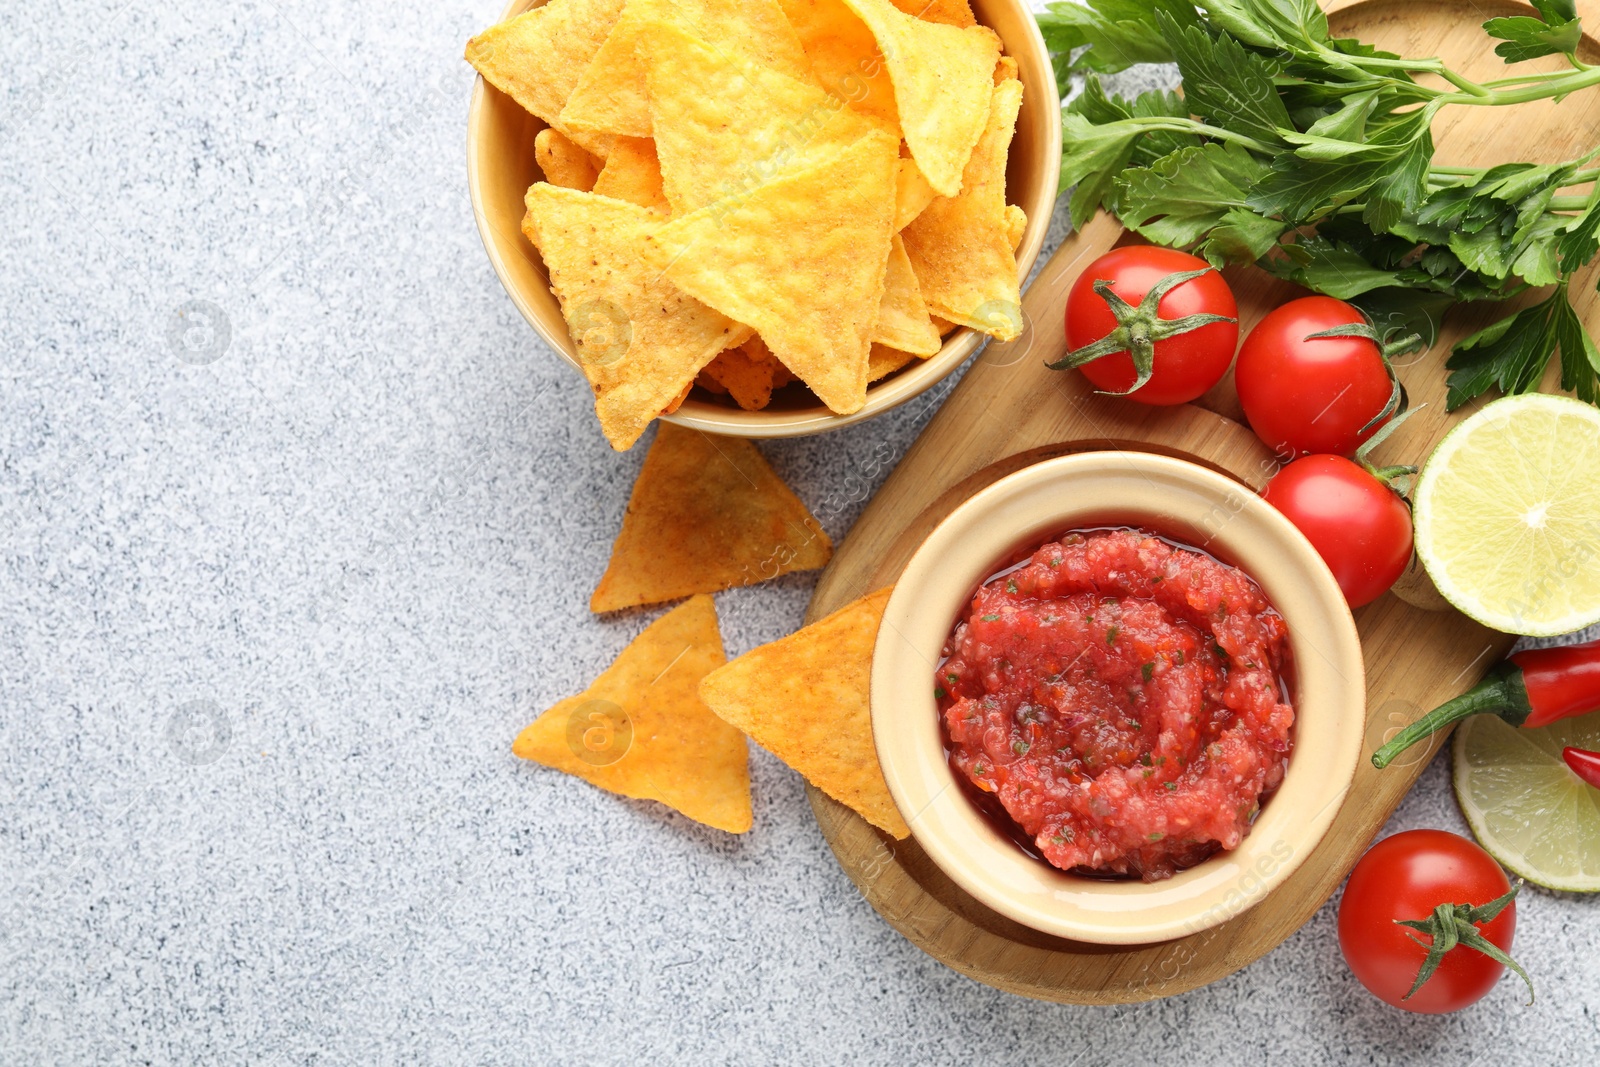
[
  {"x": 1193, "y": 505},
  {"x": 501, "y": 166}
]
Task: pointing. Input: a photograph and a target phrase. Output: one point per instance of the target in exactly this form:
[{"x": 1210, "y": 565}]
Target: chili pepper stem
[{"x": 1502, "y": 693}]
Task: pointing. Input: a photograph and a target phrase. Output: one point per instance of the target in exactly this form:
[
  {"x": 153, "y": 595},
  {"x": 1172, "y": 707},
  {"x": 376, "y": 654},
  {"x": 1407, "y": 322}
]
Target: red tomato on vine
[{"x": 1152, "y": 324}]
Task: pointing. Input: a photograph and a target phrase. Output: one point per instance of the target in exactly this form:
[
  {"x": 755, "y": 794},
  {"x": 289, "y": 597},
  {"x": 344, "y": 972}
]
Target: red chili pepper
[
  {"x": 1532, "y": 688},
  {"x": 1584, "y": 764}
]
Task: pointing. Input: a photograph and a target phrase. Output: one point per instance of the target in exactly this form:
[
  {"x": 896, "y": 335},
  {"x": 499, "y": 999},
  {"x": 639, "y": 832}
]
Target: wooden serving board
[{"x": 1010, "y": 411}]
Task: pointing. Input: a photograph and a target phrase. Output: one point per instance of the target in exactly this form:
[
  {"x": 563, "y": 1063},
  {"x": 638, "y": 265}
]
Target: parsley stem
[
  {"x": 1460, "y": 82},
  {"x": 1177, "y": 125},
  {"x": 1525, "y": 79},
  {"x": 1558, "y": 86}
]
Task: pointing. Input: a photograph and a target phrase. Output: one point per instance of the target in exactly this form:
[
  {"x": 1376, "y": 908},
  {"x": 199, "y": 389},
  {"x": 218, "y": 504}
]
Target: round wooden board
[{"x": 1009, "y": 412}]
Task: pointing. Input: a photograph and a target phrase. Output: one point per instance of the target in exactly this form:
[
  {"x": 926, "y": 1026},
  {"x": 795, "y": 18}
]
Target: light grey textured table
[{"x": 271, "y": 612}]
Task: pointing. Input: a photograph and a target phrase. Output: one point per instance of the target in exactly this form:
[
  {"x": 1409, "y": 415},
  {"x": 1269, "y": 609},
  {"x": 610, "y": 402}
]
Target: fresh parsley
[{"x": 1313, "y": 157}]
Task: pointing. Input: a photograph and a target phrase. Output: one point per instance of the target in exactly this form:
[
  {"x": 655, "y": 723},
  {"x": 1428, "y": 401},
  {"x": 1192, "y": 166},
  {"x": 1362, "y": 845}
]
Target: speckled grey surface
[{"x": 272, "y": 606}]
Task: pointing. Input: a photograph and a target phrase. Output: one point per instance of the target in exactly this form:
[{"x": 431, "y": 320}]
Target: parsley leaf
[
  {"x": 1400, "y": 192},
  {"x": 1241, "y": 236},
  {"x": 1580, "y": 359},
  {"x": 1556, "y": 31},
  {"x": 1297, "y": 26},
  {"x": 1226, "y": 83},
  {"x": 1115, "y": 34},
  {"x": 1092, "y": 158},
  {"x": 1332, "y": 268},
  {"x": 1188, "y": 193},
  {"x": 1581, "y": 240},
  {"x": 1510, "y": 354}
]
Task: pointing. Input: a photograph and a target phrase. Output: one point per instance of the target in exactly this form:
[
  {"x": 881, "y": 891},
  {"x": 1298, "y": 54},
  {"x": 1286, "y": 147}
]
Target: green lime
[
  {"x": 1524, "y": 805},
  {"x": 1508, "y": 515}
]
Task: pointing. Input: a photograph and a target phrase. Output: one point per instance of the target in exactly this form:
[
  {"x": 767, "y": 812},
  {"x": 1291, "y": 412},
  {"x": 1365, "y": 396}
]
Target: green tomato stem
[{"x": 1456, "y": 925}]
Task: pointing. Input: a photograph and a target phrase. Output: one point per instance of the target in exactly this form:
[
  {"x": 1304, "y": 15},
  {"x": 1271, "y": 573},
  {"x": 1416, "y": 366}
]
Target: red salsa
[{"x": 1120, "y": 698}]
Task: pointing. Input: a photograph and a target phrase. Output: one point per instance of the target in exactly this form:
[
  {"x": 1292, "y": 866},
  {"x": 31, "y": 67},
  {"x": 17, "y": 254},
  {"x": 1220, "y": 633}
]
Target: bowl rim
[
  {"x": 882, "y": 396},
  {"x": 1092, "y": 489}
]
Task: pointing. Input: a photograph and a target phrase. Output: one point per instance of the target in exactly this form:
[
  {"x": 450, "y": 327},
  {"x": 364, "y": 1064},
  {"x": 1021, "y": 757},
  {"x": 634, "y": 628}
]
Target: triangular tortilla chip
[
  {"x": 640, "y": 340},
  {"x": 563, "y": 162},
  {"x": 961, "y": 245},
  {"x": 949, "y": 12},
  {"x": 801, "y": 259},
  {"x": 903, "y": 320},
  {"x": 1016, "y": 226},
  {"x": 642, "y": 731},
  {"x": 724, "y": 126},
  {"x": 844, "y": 57},
  {"x": 885, "y": 361},
  {"x": 1006, "y": 70},
  {"x": 748, "y": 373},
  {"x": 537, "y": 57},
  {"x": 707, "y": 514},
  {"x": 612, "y": 96},
  {"x": 942, "y": 76},
  {"x": 806, "y": 699},
  {"x": 678, "y": 402},
  {"x": 632, "y": 173},
  {"x": 913, "y": 194}
]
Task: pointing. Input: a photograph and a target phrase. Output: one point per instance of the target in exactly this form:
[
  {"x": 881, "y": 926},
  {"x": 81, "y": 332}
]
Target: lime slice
[
  {"x": 1525, "y": 807},
  {"x": 1508, "y": 515}
]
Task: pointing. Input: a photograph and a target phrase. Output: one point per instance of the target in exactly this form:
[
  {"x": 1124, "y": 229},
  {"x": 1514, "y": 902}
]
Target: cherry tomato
[
  {"x": 1307, "y": 396},
  {"x": 1359, "y": 526},
  {"x": 1184, "y": 366},
  {"x": 1405, "y": 877}
]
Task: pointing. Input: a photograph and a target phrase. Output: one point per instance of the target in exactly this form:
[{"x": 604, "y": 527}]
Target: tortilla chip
[
  {"x": 639, "y": 339},
  {"x": 707, "y": 514},
  {"x": 1016, "y": 225},
  {"x": 563, "y": 162},
  {"x": 844, "y": 58},
  {"x": 885, "y": 361},
  {"x": 913, "y": 194},
  {"x": 745, "y": 373},
  {"x": 678, "y": 403},
  {"x": 632, "y": 173},
  {"x": 612, "y": 96},
  {"x": 949, "y": 12},
  {"x": 1006, "y": 70},
  {"x": 801, "y": 259},
  {"x": 537, "y": 57},
  {"x": 903, "y": 321},
  {"x": 710, "y": 384},
  {"x": 805, "y": 699},
  {"x": 724, "y": 126},
  {"x": 942, "y": 76},
  {"x": 961, "y": 245},
  {"x": 781, "y": 375},
  {"x": 944, "y": 326},
  {"x": 642, "y": 731}
]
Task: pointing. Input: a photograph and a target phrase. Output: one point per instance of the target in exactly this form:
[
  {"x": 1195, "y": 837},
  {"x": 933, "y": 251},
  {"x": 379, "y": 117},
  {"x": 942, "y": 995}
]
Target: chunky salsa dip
[{"x": 1121, "y": 698}]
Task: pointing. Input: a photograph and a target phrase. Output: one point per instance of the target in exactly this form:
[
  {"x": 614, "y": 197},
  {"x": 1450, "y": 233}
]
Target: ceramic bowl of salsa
[{"x": 1117, "y": 697}]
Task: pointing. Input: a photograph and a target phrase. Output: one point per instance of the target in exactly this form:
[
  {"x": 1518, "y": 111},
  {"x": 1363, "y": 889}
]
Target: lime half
[
  {"x": 1508, "y": 515},
  {"x": 1525, "y": 807}
]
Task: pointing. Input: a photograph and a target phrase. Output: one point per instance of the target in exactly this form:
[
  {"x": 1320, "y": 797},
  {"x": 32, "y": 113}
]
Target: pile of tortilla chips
[{"x": 744, "y": 193}]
